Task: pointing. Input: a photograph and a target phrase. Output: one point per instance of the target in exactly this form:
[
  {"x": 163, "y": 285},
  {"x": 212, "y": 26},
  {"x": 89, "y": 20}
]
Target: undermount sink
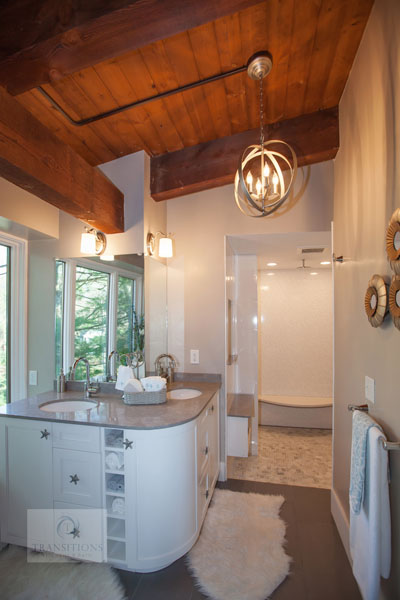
[
  {"x": 72, "y": 405},
  {"x": 183, "y": 394}
]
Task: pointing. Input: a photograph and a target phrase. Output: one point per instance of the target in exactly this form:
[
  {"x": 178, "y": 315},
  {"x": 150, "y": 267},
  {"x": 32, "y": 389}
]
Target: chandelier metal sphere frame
[{"x": 263, "y": 162}]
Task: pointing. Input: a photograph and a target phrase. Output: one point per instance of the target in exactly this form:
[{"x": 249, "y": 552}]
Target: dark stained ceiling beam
[
  {"x": 314, "y": 137},
  {"x": 69, "y": 40},
  {"x": 33, "y": 158}
]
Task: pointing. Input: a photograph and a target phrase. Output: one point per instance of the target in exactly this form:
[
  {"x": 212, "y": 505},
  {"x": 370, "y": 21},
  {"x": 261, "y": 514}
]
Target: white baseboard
[{"x": 341, "y": 521}]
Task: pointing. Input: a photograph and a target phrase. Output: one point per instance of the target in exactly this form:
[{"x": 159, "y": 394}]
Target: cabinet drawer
[
  {"x": 203, "y": 449},
  {"x": 79, "y": 531},
  {"x": 77, "y": 477},
  {"x": 76, "y": 437},
  {"x": 202, "y": 498}
]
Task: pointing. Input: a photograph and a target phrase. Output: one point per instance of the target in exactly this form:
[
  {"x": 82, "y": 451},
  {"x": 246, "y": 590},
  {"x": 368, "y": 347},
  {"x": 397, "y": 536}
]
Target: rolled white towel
[
  {"x": 118, "y": 506},
  {"x": 133, "y": 385},
  {"x": 114, "y": 461},
  {"x": 153, "y": 384},
  {"x": 123, "y": 376}
]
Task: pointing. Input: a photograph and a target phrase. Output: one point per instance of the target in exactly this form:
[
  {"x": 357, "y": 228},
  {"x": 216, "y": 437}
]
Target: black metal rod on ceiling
[{"x": 116, "y": 111}]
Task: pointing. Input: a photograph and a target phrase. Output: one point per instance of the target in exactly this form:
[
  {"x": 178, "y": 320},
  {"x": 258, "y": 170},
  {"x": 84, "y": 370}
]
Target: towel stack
[{"x": 153, "y": 384}]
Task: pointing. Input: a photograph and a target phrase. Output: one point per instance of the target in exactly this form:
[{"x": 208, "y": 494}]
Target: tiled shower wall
[{"x": 296, "y": 330}]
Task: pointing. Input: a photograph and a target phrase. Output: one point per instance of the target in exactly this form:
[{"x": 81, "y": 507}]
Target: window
[
  {"x": 91, "y": 319},
  {"x": 94, "y": 314},
  {"x": 12, "y": 318},
  {"x": 4, "y": 323},
  {"x": 60, "y": 275}
]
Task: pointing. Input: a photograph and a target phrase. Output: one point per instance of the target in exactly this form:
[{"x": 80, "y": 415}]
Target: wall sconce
[
  {"x": 93, "y": 241},
  {"x": 165, "y": 249}
]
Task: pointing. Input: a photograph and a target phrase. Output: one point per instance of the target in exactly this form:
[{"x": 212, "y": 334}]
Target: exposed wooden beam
[
  {"x": 34, "y": 159},
  {"x": 72, "y": 40},
  {"x": 314, "y": 137}
]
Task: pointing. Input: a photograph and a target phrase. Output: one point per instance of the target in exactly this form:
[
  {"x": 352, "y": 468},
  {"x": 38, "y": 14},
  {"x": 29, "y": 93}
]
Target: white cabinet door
[
  {"x": 26, "y": 476},
  {"x": 166, "y": 523},
  {"x": 77, "y": 477}
]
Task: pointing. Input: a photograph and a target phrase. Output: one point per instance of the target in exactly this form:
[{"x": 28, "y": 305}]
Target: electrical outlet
[
  {"x": 194, "y": 357},
  {"x": 32, "y": 377},
  {"x": 370, "y": 389}
]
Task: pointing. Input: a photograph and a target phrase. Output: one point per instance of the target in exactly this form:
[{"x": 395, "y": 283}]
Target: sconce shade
[
  {"x": 88, "y": 243},
  {"x": 93, "y": 242},
  {"x": 165, "y": 247}
]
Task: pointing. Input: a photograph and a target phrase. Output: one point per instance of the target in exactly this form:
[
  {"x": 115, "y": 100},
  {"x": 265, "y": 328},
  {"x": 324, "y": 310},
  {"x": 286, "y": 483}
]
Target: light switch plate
[
  {"x": 32, "y": 377},
  {"x": 194, "y": 357},
  {"x": 370, "y": 389}
]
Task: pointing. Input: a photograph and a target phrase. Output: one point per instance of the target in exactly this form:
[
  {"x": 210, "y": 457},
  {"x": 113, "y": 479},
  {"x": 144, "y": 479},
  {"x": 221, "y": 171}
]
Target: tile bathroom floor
[
  {"x": 288, "y": 455},
  {"x": 320, "y": 568}
]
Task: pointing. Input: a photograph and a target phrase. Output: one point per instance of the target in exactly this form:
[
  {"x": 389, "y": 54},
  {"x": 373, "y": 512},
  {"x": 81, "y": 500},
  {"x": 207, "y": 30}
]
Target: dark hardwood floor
[{"x": 320, "y": 568}]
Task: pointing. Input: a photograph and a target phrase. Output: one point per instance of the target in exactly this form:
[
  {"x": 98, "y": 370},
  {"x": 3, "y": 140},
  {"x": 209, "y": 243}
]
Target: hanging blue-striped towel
[{"x": 362, "y": 422}]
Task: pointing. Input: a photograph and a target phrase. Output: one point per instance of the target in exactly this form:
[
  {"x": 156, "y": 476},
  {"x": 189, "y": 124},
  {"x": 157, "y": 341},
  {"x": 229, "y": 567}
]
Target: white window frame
[
  {"x": 18, "y": 315},
  {"x": 69, "y": 303}
]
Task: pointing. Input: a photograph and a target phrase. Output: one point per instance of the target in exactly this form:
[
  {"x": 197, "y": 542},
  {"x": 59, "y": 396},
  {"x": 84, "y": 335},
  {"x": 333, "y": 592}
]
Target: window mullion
[
  {"x": 112, "y": 313},
  {"x": 69, "y": 315}
]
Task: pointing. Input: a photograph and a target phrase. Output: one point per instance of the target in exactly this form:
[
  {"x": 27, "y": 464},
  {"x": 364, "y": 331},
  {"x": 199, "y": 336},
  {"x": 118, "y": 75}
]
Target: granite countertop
[{"x": 112, "y": 412}]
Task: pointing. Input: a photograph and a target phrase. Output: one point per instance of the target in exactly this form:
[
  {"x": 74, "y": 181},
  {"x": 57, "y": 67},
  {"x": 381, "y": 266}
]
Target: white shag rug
[
  {"x": 239, "y": 554},
  {"x": 20, "y": 580}
]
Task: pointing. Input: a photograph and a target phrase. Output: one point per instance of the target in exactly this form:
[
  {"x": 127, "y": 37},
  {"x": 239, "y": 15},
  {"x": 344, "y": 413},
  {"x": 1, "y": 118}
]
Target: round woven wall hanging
[
  {"x": 393, "y": 241},
  {"x": 394, "y": 300},
  {"x": 376, "y": 305}
]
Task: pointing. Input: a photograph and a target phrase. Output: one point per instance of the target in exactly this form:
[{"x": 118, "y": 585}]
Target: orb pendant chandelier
[{"x": 260, "y": 187}]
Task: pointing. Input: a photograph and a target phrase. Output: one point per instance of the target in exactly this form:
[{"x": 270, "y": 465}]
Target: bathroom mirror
[
  {"x": 150, "y": 303},
  {"x": 44, "y": 345},
  {"x": 376, "y": 300}
]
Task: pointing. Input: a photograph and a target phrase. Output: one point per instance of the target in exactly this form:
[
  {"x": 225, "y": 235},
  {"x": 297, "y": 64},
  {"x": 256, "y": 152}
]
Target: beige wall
[
  {"x": 367, "y": 190},
  {"x": 196, "y": 274},
  {"x": 25, "y": 215}
]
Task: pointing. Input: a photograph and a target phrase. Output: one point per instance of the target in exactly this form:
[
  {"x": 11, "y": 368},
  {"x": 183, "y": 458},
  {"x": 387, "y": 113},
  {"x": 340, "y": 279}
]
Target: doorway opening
[{"x": 279, "y": 372}]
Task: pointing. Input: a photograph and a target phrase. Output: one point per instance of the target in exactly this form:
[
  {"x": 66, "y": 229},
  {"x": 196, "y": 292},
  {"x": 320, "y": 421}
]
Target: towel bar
[
  {"x": 362, "y": 407},
  {"x": 389, "y": 445}
]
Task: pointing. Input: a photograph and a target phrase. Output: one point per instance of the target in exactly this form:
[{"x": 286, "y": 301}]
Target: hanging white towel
[
  {"x": 123, "y": 376},
  {"x": 370, "y": 537}
]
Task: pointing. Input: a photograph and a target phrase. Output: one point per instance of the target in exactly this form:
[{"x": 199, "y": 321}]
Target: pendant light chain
[{"x": 261, "y": 114}]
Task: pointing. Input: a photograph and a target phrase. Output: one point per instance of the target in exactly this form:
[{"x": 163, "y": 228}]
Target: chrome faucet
[
  {"x": 109, "y": 376},
  {"x": 89, "y": 389},
  {"x": 165, "y": 365}
]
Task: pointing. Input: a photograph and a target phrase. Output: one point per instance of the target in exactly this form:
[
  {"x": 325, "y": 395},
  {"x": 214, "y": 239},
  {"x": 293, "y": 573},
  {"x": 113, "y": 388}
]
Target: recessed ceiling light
[
  {"x": 271, "y": 264},
  {"x": 270, "y": 274},
  {"x": 325, "y": 262},
  {"x": 314, "y": 273}
]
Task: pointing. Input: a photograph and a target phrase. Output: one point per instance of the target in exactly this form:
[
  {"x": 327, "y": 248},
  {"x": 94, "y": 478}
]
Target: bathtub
[{"x": 295, "y": 411}]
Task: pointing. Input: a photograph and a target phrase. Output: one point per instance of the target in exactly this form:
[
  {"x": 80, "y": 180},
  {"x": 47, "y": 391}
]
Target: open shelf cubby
[
  {"x": 109, "y": 504},
  {"x": 116, "y": 550},
  {"x": 115, "y": 484},
  {"x": 113, "y": 438},
  {"x": 115, "y": 528},
  {"x": 114, "y": 461}
]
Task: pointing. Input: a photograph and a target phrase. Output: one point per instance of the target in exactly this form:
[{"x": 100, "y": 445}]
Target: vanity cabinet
[
  {"x": 25, "y": 476},
  {"x": 207, "y": 456},
  {"x": 148, "y": 489}
]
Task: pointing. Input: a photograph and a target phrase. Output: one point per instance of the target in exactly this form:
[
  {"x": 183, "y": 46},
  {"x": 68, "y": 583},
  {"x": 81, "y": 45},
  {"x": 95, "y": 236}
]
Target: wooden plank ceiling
[{"x": 312, "y": 42}]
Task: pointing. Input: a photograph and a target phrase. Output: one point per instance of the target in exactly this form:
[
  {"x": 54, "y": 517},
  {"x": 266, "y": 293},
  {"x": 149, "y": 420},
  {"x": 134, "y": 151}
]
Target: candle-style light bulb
[
  {"x": 266, "y": 170},
  {"x": 258, "y": 187},
  {"x": 249, "y": 181},
  {"x": 275, "y": 181}
]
